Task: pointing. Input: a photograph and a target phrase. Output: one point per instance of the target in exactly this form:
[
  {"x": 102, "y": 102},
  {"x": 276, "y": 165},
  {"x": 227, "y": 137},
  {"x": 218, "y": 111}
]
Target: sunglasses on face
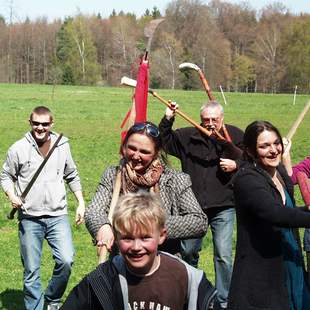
[
  {"x": 44, "y": 124},
  {"x": 150, "y": 129}
]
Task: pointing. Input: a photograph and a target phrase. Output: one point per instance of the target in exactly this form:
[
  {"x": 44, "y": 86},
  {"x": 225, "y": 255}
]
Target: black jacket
[
  {"x": 200, "y": 157},
  {"x": 258, "y": 274},
  {"x": 102, "y": 288}
]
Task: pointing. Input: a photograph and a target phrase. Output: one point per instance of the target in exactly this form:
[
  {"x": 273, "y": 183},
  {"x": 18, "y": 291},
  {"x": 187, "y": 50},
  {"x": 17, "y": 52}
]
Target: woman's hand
[{"x": 105, "y": 238}]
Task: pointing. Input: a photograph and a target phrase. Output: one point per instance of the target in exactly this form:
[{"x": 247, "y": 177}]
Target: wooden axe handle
[{"x": 298, "y": 121}]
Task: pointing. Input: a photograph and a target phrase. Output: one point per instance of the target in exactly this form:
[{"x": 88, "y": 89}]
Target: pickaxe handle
[
  {"x": 206, "y": 85},
  {"x": 298, "y": 121},
  {"x": 179, "y": 112}
]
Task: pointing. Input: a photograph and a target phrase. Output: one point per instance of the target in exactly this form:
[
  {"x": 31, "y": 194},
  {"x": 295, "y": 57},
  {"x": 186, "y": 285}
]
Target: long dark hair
[{"x": 251, "y": 134}]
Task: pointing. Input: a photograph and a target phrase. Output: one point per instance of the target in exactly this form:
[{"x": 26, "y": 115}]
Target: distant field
[{"x": 90, "y": 117}]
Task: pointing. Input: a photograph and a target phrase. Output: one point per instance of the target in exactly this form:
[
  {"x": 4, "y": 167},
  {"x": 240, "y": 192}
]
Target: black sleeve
[
  {"x": 169, "y": 139},
  {"x": 79, "y": 297},
  {"x": 233, "y": 150},
  {"x": 206, "y": 294},
  {"x": 253, "y": 192}
]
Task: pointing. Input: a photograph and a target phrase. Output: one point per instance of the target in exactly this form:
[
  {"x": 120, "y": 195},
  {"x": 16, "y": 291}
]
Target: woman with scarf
[
  {"x": 142, "y": 168},
  {"x": 268, "y": 270}
]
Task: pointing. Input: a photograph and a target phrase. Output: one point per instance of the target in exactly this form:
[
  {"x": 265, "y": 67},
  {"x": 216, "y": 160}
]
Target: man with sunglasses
[
  {"x": 210, "y": 164},
  {"x": 43, "y": 212}
]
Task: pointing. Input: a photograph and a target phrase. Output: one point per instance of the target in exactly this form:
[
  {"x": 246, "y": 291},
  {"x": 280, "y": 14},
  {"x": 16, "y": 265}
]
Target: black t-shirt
[{"x": 165, "y": 289}]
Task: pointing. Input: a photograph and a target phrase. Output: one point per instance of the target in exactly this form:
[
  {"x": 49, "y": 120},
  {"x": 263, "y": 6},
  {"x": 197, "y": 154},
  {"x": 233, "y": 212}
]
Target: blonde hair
[{"x": 138, "y": 212}]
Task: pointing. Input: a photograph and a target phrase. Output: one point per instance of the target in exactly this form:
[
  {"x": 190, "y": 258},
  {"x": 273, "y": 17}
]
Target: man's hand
[
  {"x": 16, "y": 202},
  {"x": 170, "y": 111},
  {"x": 79, "y": 214},
  {"x": 228, "y": 165},
  {"x": 105, "y": 238}
]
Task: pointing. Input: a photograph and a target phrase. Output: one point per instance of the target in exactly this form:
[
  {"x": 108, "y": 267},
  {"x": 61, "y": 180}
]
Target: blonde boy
[{"x": 141, "y": 277}]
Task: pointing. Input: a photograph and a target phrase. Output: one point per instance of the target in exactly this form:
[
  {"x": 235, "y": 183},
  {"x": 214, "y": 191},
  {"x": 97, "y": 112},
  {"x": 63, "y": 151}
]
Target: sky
[{"x": 61, "y": 8}]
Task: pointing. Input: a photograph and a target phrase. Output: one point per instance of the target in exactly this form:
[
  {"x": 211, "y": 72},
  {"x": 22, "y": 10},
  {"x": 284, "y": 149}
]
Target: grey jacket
[
  {"x": 185, "y": 217},
  {"x": 48, "y": 194}
]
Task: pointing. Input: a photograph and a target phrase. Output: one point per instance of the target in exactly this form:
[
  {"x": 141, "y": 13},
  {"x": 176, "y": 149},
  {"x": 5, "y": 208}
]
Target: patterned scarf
[{"x": 132, "y": 181}]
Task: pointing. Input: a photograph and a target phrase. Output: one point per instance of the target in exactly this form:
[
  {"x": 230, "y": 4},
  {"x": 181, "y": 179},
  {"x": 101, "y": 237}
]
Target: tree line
[{"x": 236, "y": 46}]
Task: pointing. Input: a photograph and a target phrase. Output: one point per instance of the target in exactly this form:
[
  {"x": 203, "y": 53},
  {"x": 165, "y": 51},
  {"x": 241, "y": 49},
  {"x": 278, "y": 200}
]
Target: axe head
[
  {"x": 188, "y": 65},
  {"x": 128, "y": 81}
]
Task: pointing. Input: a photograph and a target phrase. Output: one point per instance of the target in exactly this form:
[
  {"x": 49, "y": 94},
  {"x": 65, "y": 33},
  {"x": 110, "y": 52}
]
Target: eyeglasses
[
  {"x": 150, "y": 129},
  {"x": 44, "y": 124}
]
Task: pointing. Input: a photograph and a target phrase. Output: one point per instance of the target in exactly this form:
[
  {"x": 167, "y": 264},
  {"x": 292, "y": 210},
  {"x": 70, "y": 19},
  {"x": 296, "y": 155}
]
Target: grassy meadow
[{"x": 91, "y": 117}]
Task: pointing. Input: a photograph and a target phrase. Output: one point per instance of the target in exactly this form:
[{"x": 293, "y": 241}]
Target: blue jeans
[
  {"x": 221, "y": 221},
  {"x": 57, "y": 232}
]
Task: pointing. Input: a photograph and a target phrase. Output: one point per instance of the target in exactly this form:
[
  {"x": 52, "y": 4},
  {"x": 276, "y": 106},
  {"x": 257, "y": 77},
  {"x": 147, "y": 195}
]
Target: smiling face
[
  {"x": 139, "y": 152},
  {"x": 139, "y": 248},
  {"x": 269, "y": 150},
  {"x": 41, "y": 125}
]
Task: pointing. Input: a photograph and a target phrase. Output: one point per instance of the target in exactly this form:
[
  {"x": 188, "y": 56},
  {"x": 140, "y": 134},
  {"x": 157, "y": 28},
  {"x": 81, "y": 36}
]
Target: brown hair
[{"x": 41, "y": 110}]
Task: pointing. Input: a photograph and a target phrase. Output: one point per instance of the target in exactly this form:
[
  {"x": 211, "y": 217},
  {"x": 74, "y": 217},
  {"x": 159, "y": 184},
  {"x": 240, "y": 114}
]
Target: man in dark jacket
[{"x": 210, "y": 161}]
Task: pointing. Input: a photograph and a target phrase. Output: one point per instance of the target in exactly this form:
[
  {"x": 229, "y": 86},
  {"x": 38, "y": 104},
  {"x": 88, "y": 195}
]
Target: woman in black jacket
[{"x": 268, "y": 270}]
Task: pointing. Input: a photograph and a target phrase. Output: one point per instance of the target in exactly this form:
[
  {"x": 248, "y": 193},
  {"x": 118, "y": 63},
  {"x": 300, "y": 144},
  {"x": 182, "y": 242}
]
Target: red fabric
[
  {"x": 141, "y": 92},
  {"x": 304, "y": 186},
  {"x": 138, "y": 112}
]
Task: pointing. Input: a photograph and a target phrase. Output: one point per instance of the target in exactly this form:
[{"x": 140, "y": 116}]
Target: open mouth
[{"x": 136, "y": 257}]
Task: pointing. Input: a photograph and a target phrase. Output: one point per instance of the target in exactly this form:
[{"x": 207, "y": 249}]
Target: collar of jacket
[{"x": 280, "y": 169}]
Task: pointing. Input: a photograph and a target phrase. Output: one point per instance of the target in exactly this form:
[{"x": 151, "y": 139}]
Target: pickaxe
[
  {"x": 191, "y": 66},
  {"x": 132, "y": 83}
]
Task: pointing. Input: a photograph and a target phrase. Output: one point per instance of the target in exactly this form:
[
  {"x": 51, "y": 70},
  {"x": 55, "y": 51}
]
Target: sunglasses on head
[
  {"x": 150, "y": 129},
  {"x": 44, "y": 124}
]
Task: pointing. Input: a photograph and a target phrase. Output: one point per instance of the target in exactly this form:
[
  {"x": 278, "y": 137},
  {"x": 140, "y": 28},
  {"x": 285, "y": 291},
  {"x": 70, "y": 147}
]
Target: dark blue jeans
[
  {"x": 57, "y": 232},
  {"x": 221, "y": 221}
]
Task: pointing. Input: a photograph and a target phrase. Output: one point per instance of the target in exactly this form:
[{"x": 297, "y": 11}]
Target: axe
[
  {"x": 132, "y": 83},
  {"x": 149, "y": 31},
  {"x": 191, "y": 66}
]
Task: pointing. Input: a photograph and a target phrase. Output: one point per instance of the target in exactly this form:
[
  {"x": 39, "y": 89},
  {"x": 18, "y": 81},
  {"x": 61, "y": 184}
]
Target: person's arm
[
  {"x": 253, "y": 192},
  {"x": 189, "y": 221},
  {"x": 80, "y": 211},
  {"x": 96, "y": 214},
  {"x": 71, "y": 176},
  {"x": 9, "y": 176},
  {"x": 78, "y": 298},
  {"x": 303, "y": 166},
  {"x": 169, "y": 138},
  {"x": 232, "y": 150},
  {"x": 286, "y": 157}
]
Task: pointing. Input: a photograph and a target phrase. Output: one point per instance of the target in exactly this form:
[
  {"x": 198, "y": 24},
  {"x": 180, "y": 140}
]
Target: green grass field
[{"x": 90, "y": 117}]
